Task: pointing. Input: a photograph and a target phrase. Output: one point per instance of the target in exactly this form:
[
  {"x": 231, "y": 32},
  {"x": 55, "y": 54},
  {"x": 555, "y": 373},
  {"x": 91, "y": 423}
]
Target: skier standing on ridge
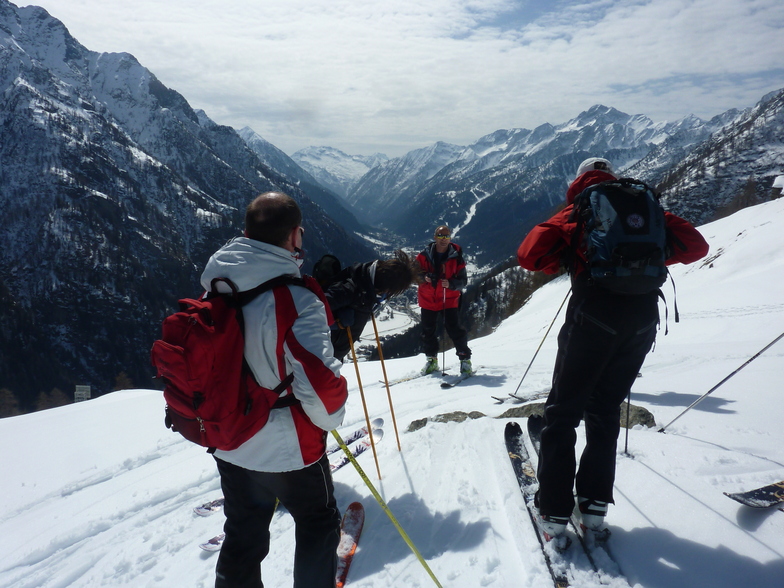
[
  {"x": 601, "y": 347},
  {"x": 286, "y": 331},
  {"x": 444, "y": 276}
]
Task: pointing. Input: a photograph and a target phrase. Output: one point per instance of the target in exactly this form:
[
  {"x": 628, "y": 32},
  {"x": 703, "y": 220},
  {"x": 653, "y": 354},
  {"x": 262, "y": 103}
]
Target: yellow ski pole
[
  {"x": 386, "y": 381},
  {"x": 364, "y": 404},
  {"x": 384, "y": 506}
]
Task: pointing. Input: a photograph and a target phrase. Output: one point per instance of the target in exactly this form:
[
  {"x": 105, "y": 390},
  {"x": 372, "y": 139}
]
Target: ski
[
  {"x": 208, "y": 508},
  {"x": 350, "y": 531},
  {"x": 358, "y": 449},
  {"x": 454, "y": 381},
  {"x": 593, "y": 543},
  {"x": 526, "y": 478},
  {"x": 213, "y": 544},
  {"x": 216, "y": 542},
  {"x": 517, "y": 399},
  {"x": 412, "y": 376},
  {"x": 763, "y": 497},
  {"x": 357, "y": 435}
]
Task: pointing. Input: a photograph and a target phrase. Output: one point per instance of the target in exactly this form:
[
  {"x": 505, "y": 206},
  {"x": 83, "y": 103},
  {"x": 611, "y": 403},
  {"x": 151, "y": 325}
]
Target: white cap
[{"x": 595, "y": 163}]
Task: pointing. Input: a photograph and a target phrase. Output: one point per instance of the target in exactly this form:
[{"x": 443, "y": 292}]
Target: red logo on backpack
[{"x": 212, "y": 397}]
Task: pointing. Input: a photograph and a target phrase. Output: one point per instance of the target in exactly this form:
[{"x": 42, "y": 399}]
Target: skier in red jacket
[
  {"x": 444, "y": 276},
  {"x": 601, "y": 347}
]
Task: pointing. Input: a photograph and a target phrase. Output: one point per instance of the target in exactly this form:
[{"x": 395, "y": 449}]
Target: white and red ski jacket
[{"x": 286, "y": 331}]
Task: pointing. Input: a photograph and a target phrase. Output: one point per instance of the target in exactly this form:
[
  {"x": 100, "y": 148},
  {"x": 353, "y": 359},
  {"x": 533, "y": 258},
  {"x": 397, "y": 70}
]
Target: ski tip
[
  {"x": 513, "y": 428},
  {"x": 535, "y": 424},
  {"x": 378, "y": 435},
  {"x": 353, "y": 520},
  {"x": 213, "y": 544}
]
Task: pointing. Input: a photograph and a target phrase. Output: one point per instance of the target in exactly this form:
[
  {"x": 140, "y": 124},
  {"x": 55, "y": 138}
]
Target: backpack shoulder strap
[
  {"x": 244, "y": 298},
  {"x": 288, "y": 400}
]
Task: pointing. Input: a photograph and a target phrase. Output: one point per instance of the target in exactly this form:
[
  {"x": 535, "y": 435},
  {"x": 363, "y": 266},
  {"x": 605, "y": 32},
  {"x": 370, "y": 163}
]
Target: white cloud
[{"x": 391, "y": 76}]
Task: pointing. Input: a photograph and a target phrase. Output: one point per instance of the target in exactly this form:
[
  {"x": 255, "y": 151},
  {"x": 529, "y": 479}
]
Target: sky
[{"x": 366, "y": 76}]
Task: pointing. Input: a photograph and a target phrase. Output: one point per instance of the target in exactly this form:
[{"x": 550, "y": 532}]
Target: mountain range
[
  {"x": 494, "y": 190},
  {"x": 114, "y": 191}
]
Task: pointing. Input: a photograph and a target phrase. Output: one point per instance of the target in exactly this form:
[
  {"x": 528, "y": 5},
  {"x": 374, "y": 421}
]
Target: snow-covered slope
[
  {"x": 100, "y": 494},
  {"x": 286, "y": 166},
  {"x": 388, "y": 187},
  {"x": 336, "y": 170}
]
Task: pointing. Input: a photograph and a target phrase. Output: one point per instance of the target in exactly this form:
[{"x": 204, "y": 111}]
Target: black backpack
[
  {"x": 624, "y": 236},
  {"x": 326, "y": 270}
]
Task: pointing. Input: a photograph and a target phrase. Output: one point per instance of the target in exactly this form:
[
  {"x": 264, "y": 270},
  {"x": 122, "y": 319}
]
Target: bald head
[{"x": 271, "y": 218}]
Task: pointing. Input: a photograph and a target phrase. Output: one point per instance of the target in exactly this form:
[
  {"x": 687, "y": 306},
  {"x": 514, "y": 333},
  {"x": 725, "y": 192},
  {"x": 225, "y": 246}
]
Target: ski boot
[{"x": 430, "y": 366}]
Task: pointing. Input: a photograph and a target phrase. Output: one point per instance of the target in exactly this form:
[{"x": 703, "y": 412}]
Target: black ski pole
[
  {"x": 701, "y": 398},
  {"x": 628, "y": 412},
  {"x": 541, "y": 343},
  {"x": 443, "y": 335}
]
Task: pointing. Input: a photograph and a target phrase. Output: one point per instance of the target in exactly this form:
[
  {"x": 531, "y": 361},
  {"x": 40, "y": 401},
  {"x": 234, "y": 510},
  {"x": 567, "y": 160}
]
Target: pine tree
[{"x": 9, "y": 403}]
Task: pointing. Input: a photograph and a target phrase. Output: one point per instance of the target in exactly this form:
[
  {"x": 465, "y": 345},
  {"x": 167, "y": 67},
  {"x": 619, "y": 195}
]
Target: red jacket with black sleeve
[
  {"x": 432, "y": 296},
  {"x": 544, "y": 246}
]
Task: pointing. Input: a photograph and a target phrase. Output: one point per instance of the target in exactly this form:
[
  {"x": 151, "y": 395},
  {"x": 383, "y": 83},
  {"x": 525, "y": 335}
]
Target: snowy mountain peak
[
  {"x": 602, "y": 114},
  {"x": 335, "y": 169},
  {"x": 114, "y": 194}
]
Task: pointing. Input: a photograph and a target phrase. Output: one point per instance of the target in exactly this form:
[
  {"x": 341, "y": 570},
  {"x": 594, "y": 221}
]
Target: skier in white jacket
[{"x": 286, "y": 331}]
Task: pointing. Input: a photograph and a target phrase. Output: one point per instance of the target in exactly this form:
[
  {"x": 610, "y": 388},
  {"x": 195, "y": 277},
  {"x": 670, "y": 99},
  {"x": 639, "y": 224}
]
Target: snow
[{"x": 101, "y": 494}]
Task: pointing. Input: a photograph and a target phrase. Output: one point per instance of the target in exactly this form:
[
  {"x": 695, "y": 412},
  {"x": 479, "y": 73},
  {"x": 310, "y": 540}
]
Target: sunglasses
[{"x": 443, "y": 237}]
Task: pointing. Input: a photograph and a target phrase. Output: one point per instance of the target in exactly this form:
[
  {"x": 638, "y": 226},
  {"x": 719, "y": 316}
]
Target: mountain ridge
[
  {"x": 115, "y": 193},
  {"x": 507, "y": 180}
]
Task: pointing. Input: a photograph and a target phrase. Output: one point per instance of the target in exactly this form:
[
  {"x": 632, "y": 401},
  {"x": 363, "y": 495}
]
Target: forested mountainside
[{"x": 114, "y": 194}]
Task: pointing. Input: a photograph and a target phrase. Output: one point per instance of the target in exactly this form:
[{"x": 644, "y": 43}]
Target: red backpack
[{"x": 211, "y": 395}]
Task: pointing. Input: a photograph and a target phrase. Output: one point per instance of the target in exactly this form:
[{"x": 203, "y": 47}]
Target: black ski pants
[
  {"x": 453, "y": 327},
  {"x": 601, "y": 347},
  {"x": 308, "y": 495}
]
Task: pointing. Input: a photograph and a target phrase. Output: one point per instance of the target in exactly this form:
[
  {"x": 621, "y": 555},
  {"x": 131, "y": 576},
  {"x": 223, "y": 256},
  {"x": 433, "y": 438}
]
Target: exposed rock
[
  {"x": 637, "y": 416},
  {"x": 452, "y": 417}
]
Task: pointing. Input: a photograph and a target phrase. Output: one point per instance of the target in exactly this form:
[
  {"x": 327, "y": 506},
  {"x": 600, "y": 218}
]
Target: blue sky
[{"x": 389, "y": 76}]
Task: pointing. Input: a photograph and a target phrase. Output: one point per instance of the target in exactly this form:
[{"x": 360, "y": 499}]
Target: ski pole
[
  {"x": 384, "y": 506},
  {"x": 386, "y": 381},
  {"x": 701, "y": 398},
  {"x": 443, "y": 335},
  {"x": 628, "y": 413},
  {"x": 364, "y": 404},
  {"x": 541, "y": 343}
]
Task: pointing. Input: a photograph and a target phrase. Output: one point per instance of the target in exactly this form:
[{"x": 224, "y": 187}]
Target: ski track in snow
[{"x": 471, "y": 210}]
